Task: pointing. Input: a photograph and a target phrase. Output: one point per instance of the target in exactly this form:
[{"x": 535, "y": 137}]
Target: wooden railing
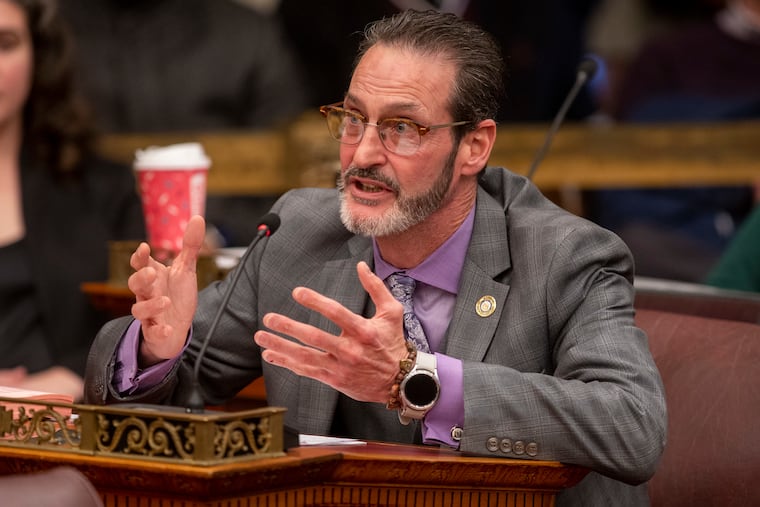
[
  {"x": 250, "y": 162},
  {"x": 589, "y": 156},
  {"x": 582, "y": 156}
]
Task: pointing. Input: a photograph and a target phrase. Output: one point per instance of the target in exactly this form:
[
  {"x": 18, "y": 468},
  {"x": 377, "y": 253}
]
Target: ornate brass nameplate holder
[{"x": 158, "y": 433}]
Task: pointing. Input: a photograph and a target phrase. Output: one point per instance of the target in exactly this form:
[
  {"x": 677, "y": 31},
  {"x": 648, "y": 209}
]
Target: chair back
[
  {"x": 697, "y": 299},
  {"x": 711, "y": 372}
]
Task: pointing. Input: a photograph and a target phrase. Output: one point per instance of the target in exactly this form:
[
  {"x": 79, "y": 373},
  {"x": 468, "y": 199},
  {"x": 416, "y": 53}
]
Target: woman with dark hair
[{"x": 52, "y": 188}]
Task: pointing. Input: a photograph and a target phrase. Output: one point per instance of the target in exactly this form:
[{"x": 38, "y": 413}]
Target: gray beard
[{"x": 407, "y": 211}]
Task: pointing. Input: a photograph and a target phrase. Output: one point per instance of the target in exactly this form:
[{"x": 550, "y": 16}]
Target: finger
[
  {"x": 141, "y": 282},
  {"x": 344, "y": 318},
  {"x": 375, "y": 287},
  {"x": 386, "y": 305},
  {"x": 298, "y": 358},
  {"x": 140, "y": 257},
  {"x": 192, "y": 242},
  {"x": 305, "y": 333},
  {"x": 11, "y": 376},
  {"x": 149, "y": 309}
]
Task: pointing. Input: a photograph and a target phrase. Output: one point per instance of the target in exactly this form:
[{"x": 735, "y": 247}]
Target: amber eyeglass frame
[{"x": 421, "y": 129}]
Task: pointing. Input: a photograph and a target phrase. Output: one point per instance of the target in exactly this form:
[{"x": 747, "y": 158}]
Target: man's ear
[{"x": 476, "y": 147}]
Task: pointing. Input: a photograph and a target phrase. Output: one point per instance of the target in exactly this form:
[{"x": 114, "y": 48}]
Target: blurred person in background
[
  {"x": 188, "y": 66},
  {"x": 617, "y": 30},
  {"x": 59, "y": 205},
  {"x": 704, "y": 69}
]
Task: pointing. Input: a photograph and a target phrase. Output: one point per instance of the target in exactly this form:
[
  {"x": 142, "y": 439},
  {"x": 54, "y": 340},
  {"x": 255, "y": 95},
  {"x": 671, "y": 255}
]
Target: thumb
[{"x": 191, "y": 243}]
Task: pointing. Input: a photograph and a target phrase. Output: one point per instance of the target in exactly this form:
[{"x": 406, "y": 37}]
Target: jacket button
[
  {"x": 531, "y": 449},
  {"x": 492, "y": 444},
  {"x": 519, "y": 447},
  {"x": 506, "y": 445}
]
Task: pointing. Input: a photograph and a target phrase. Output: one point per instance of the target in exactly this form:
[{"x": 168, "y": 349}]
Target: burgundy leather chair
[
  {"x": 697, "y": 299},
  {"x": 711, "y": 372}
]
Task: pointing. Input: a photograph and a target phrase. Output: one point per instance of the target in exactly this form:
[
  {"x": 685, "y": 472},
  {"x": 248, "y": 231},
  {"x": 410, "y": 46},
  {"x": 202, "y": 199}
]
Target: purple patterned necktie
[{"x": 402, "y": 287}]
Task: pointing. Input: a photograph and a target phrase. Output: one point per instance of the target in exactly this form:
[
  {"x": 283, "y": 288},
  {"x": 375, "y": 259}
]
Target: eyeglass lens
[{"x": 398, "y": 136}]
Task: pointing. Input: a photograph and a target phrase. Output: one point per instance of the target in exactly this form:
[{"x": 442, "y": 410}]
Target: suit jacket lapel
[
  {"x": 337, "y": 280},
  {"x": 476, "y": 315}
]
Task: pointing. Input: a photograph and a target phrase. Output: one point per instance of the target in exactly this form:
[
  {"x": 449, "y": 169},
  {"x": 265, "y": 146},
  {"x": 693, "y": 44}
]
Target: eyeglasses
[{"x": 398, "y": 135}]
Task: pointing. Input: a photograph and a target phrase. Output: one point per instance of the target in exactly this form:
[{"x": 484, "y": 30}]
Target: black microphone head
[
  {"x": 587, "y": 68},
  {"x": 269, "y": 222}
]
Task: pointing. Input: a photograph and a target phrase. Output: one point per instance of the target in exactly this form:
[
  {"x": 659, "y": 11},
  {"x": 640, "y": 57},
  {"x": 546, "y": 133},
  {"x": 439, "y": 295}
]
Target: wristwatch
[{"x": 420, "y": 389}]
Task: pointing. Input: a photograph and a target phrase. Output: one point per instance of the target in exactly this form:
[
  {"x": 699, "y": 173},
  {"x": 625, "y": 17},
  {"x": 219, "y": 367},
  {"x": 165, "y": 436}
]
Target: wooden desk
[
  {"x": 375, "y": 474},
  {"x": 115, "y": 300}
]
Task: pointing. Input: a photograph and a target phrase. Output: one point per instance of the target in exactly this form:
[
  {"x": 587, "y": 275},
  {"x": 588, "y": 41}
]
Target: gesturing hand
[
  {"x": 166, "y": 296},
  {"x": 361, "y": 362}
]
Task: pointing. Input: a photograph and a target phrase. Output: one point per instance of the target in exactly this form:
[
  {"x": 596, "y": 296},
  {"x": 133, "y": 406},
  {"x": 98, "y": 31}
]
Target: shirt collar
[{"x": 443, "y": 268}]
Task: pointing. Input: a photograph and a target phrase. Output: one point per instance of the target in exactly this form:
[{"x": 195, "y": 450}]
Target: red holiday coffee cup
[{"x": 172, "y": 183}]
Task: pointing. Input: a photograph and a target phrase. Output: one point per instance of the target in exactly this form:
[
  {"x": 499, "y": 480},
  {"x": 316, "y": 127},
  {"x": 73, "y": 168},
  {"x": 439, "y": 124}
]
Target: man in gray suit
[{"x": 524, "y": 312}]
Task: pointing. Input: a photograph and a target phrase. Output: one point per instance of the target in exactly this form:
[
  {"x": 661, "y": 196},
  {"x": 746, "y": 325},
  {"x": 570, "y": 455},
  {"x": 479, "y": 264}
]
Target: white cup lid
[{"x": 174, "y": 156}]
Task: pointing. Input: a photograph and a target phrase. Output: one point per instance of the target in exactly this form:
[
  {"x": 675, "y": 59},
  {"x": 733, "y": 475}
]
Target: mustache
[{"x": 368, "y": 173}]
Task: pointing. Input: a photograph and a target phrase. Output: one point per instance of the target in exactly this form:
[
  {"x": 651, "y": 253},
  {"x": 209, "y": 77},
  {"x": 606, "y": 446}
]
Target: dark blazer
[
  {"x": 559, "y": 371},
  {"x": 136, "y": 58},
  {"x": 68, "y": 224}
]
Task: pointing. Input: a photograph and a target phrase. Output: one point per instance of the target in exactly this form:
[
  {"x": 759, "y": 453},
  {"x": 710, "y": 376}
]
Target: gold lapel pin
[{"x": 485, "y": 306}]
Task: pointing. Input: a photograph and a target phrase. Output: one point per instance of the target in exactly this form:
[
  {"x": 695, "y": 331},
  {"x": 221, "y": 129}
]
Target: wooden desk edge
[{"x": 375, "y": 463}]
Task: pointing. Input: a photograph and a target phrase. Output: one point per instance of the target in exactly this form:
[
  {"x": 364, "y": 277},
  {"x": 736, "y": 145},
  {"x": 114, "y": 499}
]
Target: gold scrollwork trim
[
  {"x": 157, "y": 434},
  {"x": 40, "y": 424},
  {"x": 132, "y": 435},
  {"x": 241, "y": 437}
]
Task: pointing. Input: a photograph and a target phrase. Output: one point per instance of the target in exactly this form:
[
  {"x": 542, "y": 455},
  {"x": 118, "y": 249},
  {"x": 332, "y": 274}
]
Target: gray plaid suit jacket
[{"x": 559, "y": 369}]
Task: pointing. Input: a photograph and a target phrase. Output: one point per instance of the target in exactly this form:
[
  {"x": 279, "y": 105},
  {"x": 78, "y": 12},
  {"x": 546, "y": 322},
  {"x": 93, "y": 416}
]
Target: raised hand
[
  {"x": 166, "y": 296},
  {"x": 362, "y": 362}
]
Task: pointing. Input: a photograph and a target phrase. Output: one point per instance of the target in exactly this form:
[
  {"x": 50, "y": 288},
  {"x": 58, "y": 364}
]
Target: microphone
[
  {"x": 586, "y": 70},
  {"x": 268, "y": 225}
]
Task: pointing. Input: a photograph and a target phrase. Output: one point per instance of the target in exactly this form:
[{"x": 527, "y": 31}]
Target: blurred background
[{"x": 188, "y": 68}]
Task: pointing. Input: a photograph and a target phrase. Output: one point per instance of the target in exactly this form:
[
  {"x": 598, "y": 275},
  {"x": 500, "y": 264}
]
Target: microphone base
[{"x": 148, "y": 432}]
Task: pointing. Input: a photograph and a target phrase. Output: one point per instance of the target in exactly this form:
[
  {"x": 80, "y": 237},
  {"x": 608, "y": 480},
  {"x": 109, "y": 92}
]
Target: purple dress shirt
[
  {"x": 127, "y": 377},
  {"x": 434, "y": 299}
]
